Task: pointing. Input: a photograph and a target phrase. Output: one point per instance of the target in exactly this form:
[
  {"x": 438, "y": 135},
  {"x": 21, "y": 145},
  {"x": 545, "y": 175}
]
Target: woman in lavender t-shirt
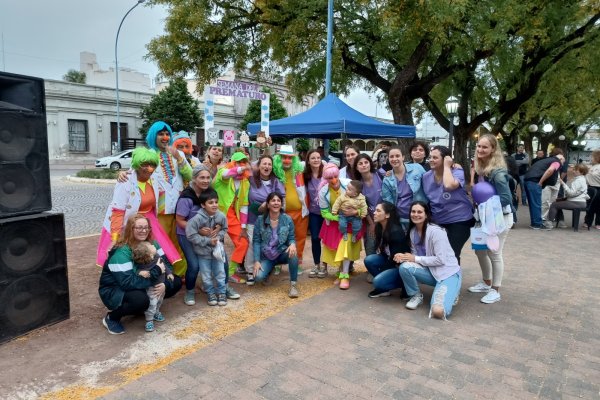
[
  {"x": 365, "y": 171},
  {"x": 451, "y": 208}
]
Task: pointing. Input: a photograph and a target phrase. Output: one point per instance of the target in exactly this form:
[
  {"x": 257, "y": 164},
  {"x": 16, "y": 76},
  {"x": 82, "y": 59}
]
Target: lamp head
[{"x": 452, "y": 105}]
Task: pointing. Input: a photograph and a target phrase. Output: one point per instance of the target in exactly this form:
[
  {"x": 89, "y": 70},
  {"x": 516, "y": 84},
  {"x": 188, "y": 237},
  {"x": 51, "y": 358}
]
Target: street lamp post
[
  {"x": 117, "y": 74},
  {"x": 451, "y": 107}
]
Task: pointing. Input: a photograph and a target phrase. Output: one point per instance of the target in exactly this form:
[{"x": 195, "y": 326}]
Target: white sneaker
[
  {"x": 491, "y": 297},
  {"x": 480, "y": 287},
  {"x": 415, "y": 301}
]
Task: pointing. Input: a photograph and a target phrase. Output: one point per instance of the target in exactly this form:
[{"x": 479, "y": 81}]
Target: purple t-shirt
[
  {"x": 259, "y": 194},
  {"x": 447, "y": 206},
  {"x": 313, "y": 196},
  {"x": 372, "y": 193},
  {"x": 270, "y": 250},
  {"x": 405, "y": 197},
  {"x": 186, "y": 209}
]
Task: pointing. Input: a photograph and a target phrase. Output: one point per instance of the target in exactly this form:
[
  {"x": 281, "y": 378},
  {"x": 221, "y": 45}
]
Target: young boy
[
  {"x": 353, "y": 198},
  {"x": 145, "y": 257},
  {"x": 210, "y": 267}
]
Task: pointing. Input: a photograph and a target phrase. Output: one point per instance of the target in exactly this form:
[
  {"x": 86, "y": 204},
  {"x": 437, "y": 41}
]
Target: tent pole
[{"x": 328, "y": 61}]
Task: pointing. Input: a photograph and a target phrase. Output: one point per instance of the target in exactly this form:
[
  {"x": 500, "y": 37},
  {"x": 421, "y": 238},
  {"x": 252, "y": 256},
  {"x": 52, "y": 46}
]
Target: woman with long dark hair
[
  {"x": 365, "y": 172},
  {"x": 274, "y": 242},
  {"x": 451, "y": 208},
  {"x": 313, "y": 171},
  {"x": 350, "y": 153},
  {"x": 390, "y": 239},
  {"x": 432, "y": 262}
]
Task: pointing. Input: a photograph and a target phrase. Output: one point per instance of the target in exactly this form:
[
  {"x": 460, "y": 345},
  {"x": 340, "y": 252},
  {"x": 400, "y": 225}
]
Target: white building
[{"x": 81, "y": 118}]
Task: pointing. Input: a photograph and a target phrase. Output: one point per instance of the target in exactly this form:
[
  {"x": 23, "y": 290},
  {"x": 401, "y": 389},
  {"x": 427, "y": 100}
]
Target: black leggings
[
  {"x": 593, "y": 206},
  {"x": 458, "y": 234},
  {"x": 134, "y": 302}
]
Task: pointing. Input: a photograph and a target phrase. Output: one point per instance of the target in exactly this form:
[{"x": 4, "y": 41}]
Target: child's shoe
[
  {"x": 212, "y": 300},
  {"x": 345, "y": 236},
  {"x": 159, "y": 317},
  {"x": 354, "y": 238},
  {"x": 222, "y": 299},
  {"x": 149, "y": 326},
  {"x": 189, "y": 298},
  {"x": 235, "y": 278}
]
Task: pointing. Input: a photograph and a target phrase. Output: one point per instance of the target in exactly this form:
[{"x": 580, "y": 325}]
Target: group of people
[
  {"x": 545, "y": 191},
  {"x": 167, "y": 221}
]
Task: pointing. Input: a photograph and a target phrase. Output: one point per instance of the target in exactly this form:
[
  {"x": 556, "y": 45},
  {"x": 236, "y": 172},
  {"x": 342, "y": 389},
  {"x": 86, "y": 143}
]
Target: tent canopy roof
[{"x": 329, "y": 119}]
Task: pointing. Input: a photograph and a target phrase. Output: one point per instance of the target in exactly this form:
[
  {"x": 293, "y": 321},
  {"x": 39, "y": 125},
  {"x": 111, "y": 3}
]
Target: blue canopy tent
[{"x": 330, "y": 119}]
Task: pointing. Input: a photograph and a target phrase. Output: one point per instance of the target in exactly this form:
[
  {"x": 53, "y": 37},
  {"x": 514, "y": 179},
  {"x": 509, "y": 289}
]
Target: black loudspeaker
[
  {"x": 34, "y": 289},
  {"x": 24, "y": 168}
]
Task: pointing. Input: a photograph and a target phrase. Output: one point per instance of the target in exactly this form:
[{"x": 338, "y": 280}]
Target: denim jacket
[
  {"x": 262, "y": 234},
  {"x": 414, "y": 173}
]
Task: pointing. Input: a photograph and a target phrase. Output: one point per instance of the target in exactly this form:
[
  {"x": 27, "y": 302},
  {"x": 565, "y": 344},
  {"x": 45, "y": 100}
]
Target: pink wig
[{"x": 329, "y": 171}]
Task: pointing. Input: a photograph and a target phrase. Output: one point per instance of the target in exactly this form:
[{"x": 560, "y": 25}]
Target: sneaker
[
  {"x": 250, "y": 280},
  {"x": 535, "y": 227},
  {"x": 597, "y": 227},
  {"x": 277, "y": 270},
  {"x": 189, "y": 298},
  {"x": 222, "y": 299},
  {"x": 314, "y": 272},
  {"x": 232, "y": 294},
  {"x": 369, "y": 278},
  {"x": 300, "y": 270},
  {"x": 212, "y": 299},
  {"x": 415, "y": 301},
  {"x": 562, "y": 225},
  {"x": 235, "y": 278},
  {"x": 113, "y": 327},
  {"x": 548, "y": 226},
  {"x": 159, "y": 317},
  {"x": 149, "y": 326},
  {"x": 322, "y": 273},
  {"x": 293, "y": 291},
  {"x": 480, "y": 287},
  {"x": 491, "y": 297},
  {"x": 378, "y": 293}
]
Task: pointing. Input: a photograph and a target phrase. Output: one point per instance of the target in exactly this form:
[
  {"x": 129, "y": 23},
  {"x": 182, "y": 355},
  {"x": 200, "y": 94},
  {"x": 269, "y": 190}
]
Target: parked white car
[{"x": 116, "y": 161}]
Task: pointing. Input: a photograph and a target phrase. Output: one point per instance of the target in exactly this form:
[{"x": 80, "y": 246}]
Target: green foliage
[
  {"x": 174, "y": 105},
  {"x": 74, "y": 76},
  {"x": 302, "y": 145},
  {"x": 97, "y": 174}
]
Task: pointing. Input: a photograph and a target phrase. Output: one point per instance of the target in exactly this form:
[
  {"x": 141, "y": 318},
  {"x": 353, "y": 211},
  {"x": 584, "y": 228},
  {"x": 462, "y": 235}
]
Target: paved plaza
[{"x": 540, "y": 341}]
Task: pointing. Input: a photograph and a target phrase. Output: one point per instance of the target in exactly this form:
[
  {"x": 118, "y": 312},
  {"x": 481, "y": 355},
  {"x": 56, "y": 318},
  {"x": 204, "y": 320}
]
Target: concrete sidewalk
[{"x": 540, "y": 341}]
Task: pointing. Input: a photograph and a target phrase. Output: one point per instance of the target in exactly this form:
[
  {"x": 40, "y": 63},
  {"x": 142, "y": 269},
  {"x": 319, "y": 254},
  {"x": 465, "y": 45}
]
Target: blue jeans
[
  {"x": 445, "y": 292},
  {"x": 534, "y": 198},
  {"x": 268, "y": 265},
  {"x": 523, "y": 190},
  {"x": 385, "y": 273},
  {"x": 193, "y": 267},
  {"x": 212, "y": 268},
  {"x": 315, "y": 222},
  {"x": 355, "y": 224}
]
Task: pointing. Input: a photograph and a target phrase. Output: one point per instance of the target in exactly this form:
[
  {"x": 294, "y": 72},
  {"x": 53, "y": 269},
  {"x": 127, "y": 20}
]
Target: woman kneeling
[
  {"x": 274, "y": 242},
  {"x": 432, "y": 262}
]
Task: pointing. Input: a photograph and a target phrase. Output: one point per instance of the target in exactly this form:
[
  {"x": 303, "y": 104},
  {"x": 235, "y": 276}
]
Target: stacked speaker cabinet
[{"x": 34, "y": 289}]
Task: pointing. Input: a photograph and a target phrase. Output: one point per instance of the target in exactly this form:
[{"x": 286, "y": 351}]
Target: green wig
[
  {"x": 280, "y": 172},
  {"x": 143, "y": 155}
]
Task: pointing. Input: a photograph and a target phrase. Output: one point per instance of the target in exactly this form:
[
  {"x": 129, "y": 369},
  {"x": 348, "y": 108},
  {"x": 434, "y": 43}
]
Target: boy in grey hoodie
[{"x": 210, "y": 267}]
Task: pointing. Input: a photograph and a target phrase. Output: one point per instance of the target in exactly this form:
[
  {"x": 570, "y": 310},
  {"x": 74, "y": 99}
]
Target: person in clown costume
[
  {"x": 170, "y": 174},
  {"x": 183, "y": 143},
  {"x": 233, "y": 186},
  {"x": 289, "y": 170}
]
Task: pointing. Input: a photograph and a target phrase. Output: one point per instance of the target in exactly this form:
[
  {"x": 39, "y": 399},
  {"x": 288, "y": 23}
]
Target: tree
[
  {"x": 173, "y": 105},
  {"x": 494, "y": 53},
  {"x": 276, "y": 111},
  {"x": 74, "y": 76}
]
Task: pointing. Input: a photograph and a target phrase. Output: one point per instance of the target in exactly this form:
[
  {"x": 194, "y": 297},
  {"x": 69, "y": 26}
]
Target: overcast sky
[{"x": 43, "y": 38}]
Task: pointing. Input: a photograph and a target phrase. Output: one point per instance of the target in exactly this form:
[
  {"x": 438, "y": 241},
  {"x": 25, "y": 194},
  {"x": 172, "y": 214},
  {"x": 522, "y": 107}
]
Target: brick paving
[{"x": 540, "y": 341}]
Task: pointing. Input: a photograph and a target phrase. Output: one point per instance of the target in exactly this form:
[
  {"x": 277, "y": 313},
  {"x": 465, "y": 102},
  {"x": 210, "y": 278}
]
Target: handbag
[{"x": 478, "y": 239}]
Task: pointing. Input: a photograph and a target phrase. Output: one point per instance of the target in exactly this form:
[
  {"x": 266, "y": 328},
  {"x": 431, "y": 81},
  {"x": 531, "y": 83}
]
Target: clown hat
[
  {"x": 286, "y": 150},
  {"x": 238, "y": 156},
  {"x": 181, "y": 135}
]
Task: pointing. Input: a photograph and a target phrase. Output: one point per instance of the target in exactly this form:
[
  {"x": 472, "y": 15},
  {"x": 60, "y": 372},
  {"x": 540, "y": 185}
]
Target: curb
[{"x": 90, "y": 180}]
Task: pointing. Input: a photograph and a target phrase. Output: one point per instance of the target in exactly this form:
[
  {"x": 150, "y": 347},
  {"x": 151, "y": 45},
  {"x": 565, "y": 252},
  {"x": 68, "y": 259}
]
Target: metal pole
[
  {"x": 117, "y": 75},
  {"x": 328, "y": 62},
  {"x": 451, "y": 134}
]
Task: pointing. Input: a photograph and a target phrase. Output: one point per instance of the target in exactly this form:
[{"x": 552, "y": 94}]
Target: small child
[
  {"x": 145, "y": 257},
  {"x": 210, "y": 267},
  {"x": 353, "y": 198}
]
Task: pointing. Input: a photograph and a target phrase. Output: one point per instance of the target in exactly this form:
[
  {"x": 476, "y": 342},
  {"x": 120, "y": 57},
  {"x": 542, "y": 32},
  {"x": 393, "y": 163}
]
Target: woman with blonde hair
[
  {"x": 593, "y": 181},
  {"x": 490, "y": 167}
]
